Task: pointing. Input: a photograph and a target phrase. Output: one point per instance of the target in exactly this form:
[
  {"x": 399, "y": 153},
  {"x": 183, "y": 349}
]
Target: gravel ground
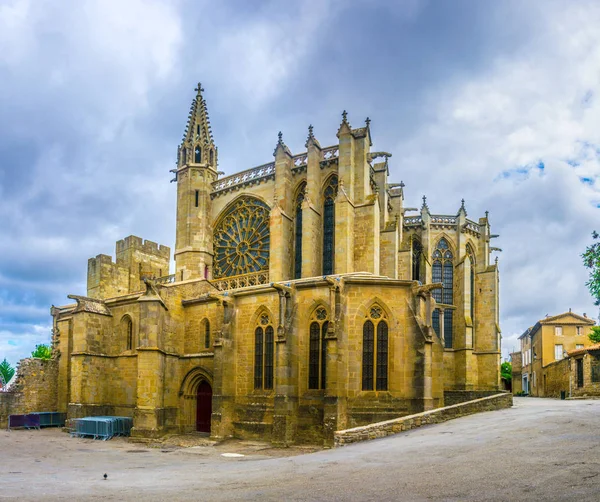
[{"x": 541, "y": 449}]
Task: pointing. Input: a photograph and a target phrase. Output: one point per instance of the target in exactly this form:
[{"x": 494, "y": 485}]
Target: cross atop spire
[
  {"x": 199, "y": 88},
  {"x": 345, "y": 116},
  {"x": 280, "y": 136},
  {"x": 368, "y": 121}
]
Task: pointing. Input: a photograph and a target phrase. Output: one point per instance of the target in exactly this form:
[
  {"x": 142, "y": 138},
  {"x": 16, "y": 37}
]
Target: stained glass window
[
  {"x": 258, "y": 358},
  {"x": 435, "y": 321},
  {"x": 442, "y": 271},
  {"x": 329, "y": 225},
  {"x": 375, "y": 350},
  {"x": 382, "y": 356},
  {"x": 448, "y": 328},
  {"x": 241, "y": 239},
  {"x": 317, "y": 357},
  {"x": 298, "y": 246},
  {"x": 269, "y": 357},
  {"x": 367, "y": 366}
]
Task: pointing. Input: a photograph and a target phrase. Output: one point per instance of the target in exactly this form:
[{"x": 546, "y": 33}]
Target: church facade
[{"x": 305, "y": 299}]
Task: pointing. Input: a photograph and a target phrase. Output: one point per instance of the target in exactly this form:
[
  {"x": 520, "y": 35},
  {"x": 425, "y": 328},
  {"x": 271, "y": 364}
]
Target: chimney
[{"x": 584, "y": 314}]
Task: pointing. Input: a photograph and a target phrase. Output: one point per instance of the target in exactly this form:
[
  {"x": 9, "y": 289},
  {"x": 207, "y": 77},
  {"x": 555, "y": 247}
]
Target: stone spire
[
  {"x": 197, "y": 142},
  {"x": 462, "y": 208},
  {"x": 345, "y": 125},
  {"x": 281, "y": 146},
  {"x": 311, "y": 138}
]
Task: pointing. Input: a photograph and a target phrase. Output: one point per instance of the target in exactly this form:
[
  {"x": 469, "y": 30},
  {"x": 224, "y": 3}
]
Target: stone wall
[
  {"x": 35, "y": 389},
  {"x": 389, "y": 427},
  {"x": 10, "y": 403},
  {"x": 555, "y": 378}
]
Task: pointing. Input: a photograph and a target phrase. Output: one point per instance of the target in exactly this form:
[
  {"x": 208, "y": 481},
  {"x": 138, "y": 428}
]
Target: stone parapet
[{"x": 389, "y": 427}]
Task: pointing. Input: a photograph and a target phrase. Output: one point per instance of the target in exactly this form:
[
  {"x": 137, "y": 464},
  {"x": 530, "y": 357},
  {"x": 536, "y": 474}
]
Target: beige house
[
  {"x": 305, "y": 299},
  {"x": 547, "y": 342}
]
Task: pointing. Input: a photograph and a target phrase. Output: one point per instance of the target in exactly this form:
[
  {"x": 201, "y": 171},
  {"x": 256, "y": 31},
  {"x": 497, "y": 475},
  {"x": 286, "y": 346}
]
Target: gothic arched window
[
  {"x": 298, "y": 230},
  {"x": 264, "y": 352},
  {"x": 442, "y": 270},
  {"x": 197, "y": 154},
  {"x": 241, "y": 239},
  {"x": 417, "y": 252},
  {"x": 329, "y": 194},
  {"x": 127, "y": 331},
  {"x": 183, "y": 156},
  {"x": 206, "y": 334},
  {"x": 375, "y": 350},
  {"x": 317, "y": 356}
]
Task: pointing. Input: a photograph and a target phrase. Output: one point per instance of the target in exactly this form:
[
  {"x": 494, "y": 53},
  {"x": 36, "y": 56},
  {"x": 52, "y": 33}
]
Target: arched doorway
[{"x": 203, "y": 407}]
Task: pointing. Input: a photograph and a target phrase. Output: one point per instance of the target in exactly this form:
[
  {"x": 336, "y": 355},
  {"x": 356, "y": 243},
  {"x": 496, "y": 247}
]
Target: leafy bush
[
  {"x": 506, "y": 370},
  {"x": 42, "y": 351},
  {"x": 594, "y": 335}
]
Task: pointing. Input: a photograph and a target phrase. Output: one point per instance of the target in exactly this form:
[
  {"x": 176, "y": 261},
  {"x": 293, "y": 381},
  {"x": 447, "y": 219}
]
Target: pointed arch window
[
  {"x": 127, "y": 331},
  {"x": 264, "y": 352},
  {"x": 330, "y": 194},
  {"x": 442, "y": 270},
  {"x": 317, "y": 357},
  {"x": 197, "y": 154},
  {"x": 183, "y": 156},
  {"x": 298, "y": 232},
  {"x": 375, "y": 350},
  {"x": 206, "y": 334},
  {"x": 417, "y": 257}
]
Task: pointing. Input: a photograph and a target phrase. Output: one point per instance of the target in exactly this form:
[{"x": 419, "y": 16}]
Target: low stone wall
[
  {"x": 462, "y": 396},
  {"x": 34, "y": 389},
  {"x": 382, "y": 429},
  {"x": 10, "y": 404}
]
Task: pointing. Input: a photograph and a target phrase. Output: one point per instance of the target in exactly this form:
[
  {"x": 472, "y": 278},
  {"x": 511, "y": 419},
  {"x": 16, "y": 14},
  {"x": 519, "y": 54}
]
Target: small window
[
  {"x": 197, "y": 197},
  {"x": 558, "y": 351},
  {"x": 579, "y": 330},
  {"x": 534, "y": 379},
  {"x": 206, "y": 334},
  {"x": 558, "y": 330},
  {"x": 579, "y": 346},
  {"x": 212, "y": 157},
  {"x": 198, "y": 155}
]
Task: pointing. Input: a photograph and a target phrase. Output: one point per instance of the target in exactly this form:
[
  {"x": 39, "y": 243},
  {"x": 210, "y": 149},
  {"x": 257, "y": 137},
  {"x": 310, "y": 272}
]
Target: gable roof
[{"x": 574, "y": 319}]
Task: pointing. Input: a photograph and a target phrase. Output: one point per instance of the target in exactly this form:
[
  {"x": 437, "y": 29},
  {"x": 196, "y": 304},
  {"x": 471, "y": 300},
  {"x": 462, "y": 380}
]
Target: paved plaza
[{"x": 541, "y": 449}]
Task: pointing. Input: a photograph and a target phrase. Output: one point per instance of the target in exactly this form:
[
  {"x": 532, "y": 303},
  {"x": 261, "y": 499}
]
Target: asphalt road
[{"x": 541, "y": 449}]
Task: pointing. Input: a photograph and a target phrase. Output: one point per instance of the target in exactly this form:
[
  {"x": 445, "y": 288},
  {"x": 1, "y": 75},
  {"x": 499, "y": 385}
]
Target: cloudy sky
[{"x": 496, "y": 102}]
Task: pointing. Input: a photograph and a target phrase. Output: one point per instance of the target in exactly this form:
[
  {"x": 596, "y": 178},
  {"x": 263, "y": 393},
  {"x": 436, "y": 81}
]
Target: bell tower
[{"x": 196, "y": 170}]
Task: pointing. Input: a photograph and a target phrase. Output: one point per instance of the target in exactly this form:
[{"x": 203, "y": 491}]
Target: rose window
[{"x": 241, "y": 239}]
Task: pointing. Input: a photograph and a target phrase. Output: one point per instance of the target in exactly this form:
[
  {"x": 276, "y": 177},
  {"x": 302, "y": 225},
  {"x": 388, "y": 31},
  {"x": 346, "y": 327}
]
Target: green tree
[
  {"x": 506, "y": 370},
  {"x": 591, "y": 261},
  {"x": 42, "y": 351},
  {"x": 594, "y": 335},
  {"x": 6, "y": 371}
]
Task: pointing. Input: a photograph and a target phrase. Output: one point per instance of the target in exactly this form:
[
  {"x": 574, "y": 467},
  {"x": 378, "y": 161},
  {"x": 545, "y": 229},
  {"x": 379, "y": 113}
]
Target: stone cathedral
[{"x": 305, "y": 299}]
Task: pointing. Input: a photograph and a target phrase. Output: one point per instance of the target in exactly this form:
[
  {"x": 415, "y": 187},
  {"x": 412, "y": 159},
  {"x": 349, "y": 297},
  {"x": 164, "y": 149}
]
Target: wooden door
[{"x": 203, "y": 407}]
